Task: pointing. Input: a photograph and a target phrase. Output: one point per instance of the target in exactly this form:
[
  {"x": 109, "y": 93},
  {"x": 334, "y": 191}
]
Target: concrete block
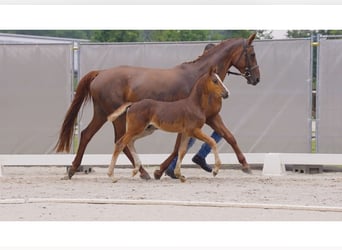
[
  {"x": 273, "y": 165},
  {"x": 307, "y": 169}
]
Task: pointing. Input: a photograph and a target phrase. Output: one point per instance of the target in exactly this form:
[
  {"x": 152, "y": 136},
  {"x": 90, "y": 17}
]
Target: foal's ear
[{"x": 251, "y": 38}]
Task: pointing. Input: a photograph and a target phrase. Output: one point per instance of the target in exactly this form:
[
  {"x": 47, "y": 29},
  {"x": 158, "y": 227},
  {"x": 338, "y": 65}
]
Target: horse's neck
[{"x": 222, "y": 57}]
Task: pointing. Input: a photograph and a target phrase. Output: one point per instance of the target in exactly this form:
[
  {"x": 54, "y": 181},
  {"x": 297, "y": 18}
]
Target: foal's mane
[{"x": 213, "y": 50}]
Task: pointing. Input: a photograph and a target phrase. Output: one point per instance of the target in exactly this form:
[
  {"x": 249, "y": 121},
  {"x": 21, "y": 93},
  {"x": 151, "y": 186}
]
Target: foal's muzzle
[{"x": 225, "y": 94}]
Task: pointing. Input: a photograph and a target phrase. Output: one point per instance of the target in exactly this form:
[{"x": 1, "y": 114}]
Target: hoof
[
  {"x": 134, "y": 172},
  {"x": 70, "y": 172},
  {"x": 145, "y": 176},
  {"x": 157, "y": 174},
  {"x": 182, "y": 178},
  {"x": 66, "y": 178},
  {"x": 247, "y": 170},
  {"x": 112, "y": 178},
  {"x": 215, "y": 173}
]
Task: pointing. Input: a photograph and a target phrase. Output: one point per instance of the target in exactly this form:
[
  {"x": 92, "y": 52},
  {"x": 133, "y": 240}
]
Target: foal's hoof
[
  {"x": 247, "y": 170},
  {"x": 215, "y": 172},
  {"x": 182, "y": 178},
  {"x": 134, "y": 172},
  {"x": 112, "y": 178}
]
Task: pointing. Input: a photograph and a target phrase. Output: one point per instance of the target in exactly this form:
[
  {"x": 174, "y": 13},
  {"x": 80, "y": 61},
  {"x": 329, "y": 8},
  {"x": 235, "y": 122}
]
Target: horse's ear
[
  {"x": 212, "y": 70},
  {"x": 251, "y": 38}
]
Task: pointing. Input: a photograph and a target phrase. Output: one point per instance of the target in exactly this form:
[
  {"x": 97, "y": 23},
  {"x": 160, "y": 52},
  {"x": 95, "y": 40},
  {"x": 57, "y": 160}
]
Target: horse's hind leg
[
  {"x": 96, "y": 123},
  {"x": 198, "y": 133}
]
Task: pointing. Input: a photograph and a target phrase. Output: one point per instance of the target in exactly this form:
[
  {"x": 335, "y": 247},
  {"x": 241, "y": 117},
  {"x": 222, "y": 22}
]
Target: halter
[{"x": 248, "y": 68}]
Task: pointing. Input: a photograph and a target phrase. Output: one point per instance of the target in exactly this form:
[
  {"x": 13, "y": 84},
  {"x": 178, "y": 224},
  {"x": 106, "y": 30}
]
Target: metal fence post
[{"x": 318, "y": 37}]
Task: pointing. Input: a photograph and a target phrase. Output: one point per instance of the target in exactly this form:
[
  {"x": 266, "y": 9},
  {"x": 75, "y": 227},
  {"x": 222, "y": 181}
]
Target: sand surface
[{"x": 38, "y": 193}]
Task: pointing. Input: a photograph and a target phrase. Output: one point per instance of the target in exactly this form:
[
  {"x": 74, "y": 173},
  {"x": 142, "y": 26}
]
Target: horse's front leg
[
  {"x": 217, "y": 124},
  {"x": 159, "y": 172},
  {"x": 119, "y": 130}
]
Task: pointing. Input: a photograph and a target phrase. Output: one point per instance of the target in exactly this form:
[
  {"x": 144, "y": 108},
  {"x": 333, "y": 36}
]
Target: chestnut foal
[{"x": 186, "y": 116}]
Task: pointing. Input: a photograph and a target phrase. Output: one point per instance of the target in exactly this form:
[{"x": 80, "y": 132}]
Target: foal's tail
[
  {"x": 119, "y": 111},
  {"x": 81, "y": 96}
]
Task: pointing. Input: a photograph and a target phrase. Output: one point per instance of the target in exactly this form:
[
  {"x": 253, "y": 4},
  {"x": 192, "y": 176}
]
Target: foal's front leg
[
  {"x": 119, "y": 130},
  {"x": 198, "y": 133}
]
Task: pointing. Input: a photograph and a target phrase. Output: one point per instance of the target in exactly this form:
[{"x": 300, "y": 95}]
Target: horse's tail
[
  {"x": 119, "y": 111},
  {"x": 81, "y": 96}
]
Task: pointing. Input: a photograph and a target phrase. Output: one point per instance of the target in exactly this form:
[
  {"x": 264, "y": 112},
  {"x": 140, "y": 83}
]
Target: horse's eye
[{"x": 215, "y": 81}]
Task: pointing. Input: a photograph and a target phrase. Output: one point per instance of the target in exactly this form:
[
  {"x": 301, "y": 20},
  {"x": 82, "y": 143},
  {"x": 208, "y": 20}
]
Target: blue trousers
[{"x": 203, "y": 152}]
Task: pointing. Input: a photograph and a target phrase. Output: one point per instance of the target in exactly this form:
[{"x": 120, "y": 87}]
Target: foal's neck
[{"x": 200, "y": 93}]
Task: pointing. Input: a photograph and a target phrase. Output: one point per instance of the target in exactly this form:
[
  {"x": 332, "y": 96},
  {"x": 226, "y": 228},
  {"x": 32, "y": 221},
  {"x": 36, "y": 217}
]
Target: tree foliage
[
  {"x": 144, "y": 35},
  {"x": 309, "y": 33}
]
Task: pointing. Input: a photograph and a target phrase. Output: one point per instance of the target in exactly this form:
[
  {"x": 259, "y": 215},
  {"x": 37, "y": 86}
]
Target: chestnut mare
[
  {"x": 186, "y": 117},
  {"x": 110, "y": 88}
]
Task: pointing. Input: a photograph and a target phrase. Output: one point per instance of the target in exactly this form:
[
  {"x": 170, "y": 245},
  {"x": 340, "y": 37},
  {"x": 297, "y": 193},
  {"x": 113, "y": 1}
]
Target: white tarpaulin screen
[
  {"x": 329, "y": 93},
  {"x": 36, "y": 83},
  {"x": 273, "y": 116}
]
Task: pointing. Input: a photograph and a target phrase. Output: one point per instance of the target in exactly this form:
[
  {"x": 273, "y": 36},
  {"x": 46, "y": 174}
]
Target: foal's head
[{"x": 215, "y": 85}]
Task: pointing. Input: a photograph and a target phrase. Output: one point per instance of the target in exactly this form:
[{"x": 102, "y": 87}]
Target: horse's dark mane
[{"x": 213, "y": 50}]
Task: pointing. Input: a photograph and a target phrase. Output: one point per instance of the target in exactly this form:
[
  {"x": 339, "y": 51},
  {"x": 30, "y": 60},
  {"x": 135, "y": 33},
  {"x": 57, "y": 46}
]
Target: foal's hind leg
[
  {"x": 119, "y": 146},
  {"x": 136, "y": 158},
  {"x": 181, "y": 152},
  {"x": 119, "y": 130},
  {"x": 203, "y": 137}
]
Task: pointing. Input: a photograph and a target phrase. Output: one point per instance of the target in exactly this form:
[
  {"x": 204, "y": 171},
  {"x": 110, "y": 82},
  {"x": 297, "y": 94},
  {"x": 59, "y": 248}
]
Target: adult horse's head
[{"x": 245, "y": 61}]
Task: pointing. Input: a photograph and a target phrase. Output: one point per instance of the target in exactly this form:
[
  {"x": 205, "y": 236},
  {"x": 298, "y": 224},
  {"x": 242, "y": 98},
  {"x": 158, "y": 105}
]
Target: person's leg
[
  {"x": 205, "y": 149},
  {"x": 170, "y": 169}
]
